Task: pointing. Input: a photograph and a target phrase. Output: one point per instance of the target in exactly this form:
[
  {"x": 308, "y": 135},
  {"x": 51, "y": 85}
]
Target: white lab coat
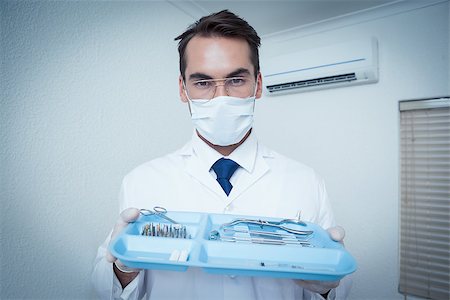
[{"x": 267, "y": 184}]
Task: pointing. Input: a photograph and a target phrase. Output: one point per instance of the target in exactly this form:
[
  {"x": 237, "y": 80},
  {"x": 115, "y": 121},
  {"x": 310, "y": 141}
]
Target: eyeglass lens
[{"x": 240, "y": 87}]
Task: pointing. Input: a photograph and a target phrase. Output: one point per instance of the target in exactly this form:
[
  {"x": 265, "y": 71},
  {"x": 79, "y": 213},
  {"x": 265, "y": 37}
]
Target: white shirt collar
[{"x": 244, "y": 155}]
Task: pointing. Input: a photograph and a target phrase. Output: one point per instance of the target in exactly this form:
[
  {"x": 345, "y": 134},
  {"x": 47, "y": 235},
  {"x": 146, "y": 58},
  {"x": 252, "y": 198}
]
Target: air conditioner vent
[
  {"x": 311, "y": 82},
  {"x": 343, "y": 64}
]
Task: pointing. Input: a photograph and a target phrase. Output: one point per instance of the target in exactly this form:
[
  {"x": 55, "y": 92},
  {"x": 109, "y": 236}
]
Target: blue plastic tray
[{"x": 324, "y": 260}]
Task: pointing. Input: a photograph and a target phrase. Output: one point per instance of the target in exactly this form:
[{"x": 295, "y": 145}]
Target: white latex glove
[
  {"x": 129, "y": 215},
  {"x": 322, "y": 287}
]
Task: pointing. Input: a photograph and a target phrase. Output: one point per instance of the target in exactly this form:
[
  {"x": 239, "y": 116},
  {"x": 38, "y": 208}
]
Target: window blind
[{"x": 425, "y": 198}]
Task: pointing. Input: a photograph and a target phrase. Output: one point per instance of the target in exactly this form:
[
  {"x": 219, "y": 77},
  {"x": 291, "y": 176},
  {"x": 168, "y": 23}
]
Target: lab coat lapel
[
  {"x": 245, "y": 182},
  {"x": 194, "y": 167}
]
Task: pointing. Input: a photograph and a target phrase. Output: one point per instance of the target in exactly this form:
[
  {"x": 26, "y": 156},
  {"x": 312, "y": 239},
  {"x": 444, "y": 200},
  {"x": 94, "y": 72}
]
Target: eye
[
  {"x": 202, "y": 84},
  {"x": 237, "y": 81}
]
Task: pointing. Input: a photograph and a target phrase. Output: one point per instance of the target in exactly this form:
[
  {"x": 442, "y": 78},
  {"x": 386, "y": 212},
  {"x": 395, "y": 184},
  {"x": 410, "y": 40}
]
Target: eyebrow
[{"x": 236, "y": 73}]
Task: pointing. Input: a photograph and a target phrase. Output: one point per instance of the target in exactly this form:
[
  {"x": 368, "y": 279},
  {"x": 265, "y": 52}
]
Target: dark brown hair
[{"x": 220, "y": 24}]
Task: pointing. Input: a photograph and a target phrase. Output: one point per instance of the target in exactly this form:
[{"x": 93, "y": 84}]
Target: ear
[
  {"x": 182, "y": 92},
  {"x": 258, "y": 93}
]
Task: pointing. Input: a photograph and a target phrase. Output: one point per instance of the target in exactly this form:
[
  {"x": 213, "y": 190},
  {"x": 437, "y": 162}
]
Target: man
[{"x": 220, "y": 81}]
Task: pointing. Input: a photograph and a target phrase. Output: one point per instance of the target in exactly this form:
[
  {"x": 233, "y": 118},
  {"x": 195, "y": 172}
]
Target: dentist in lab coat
[{"x": 220, "y": 83}]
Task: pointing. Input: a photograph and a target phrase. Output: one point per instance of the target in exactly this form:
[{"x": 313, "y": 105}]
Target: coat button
[{"x": 228, "y": 208}]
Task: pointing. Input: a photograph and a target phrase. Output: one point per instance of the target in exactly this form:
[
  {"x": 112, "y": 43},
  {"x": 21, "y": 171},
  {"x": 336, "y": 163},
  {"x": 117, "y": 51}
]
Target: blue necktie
[{"x": 224, "y": 169}]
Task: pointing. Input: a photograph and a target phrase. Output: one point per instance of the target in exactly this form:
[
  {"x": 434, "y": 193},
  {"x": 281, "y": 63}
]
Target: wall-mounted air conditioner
[{"x": 344, "y": 64}]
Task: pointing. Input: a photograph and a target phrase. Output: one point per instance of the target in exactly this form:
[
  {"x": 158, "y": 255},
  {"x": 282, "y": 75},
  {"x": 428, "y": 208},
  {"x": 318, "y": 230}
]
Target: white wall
[
  {"x": 351, "y": 135},
  {"x": 89, "y": 90}
]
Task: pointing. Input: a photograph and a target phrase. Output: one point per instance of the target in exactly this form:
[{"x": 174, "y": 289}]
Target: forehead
[{"x": 217, "y": 56}]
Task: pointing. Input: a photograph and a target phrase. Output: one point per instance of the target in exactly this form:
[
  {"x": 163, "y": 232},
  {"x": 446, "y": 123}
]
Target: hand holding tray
[{"x": 208, "y": 241}]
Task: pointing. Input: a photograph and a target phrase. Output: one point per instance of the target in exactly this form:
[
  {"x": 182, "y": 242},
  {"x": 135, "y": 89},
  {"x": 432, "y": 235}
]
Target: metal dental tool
[
  {"x": 269, "y": 234},
  {"x": 160, "y": 229},
  {"x": 177, "y": 231},
  {"x": 159, "y": 211},
  {"x": 263, "y": 232},
  {"x": 215, "y": 235},
  {"x": 273, "y": 224}
]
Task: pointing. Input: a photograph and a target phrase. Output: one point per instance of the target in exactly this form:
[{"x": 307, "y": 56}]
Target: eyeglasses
[{"x": 241, "y": 87}]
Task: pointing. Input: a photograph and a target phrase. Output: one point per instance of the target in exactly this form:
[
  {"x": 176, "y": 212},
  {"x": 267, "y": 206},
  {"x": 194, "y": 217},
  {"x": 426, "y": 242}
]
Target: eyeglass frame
[{"x": 215, "y": 81}]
